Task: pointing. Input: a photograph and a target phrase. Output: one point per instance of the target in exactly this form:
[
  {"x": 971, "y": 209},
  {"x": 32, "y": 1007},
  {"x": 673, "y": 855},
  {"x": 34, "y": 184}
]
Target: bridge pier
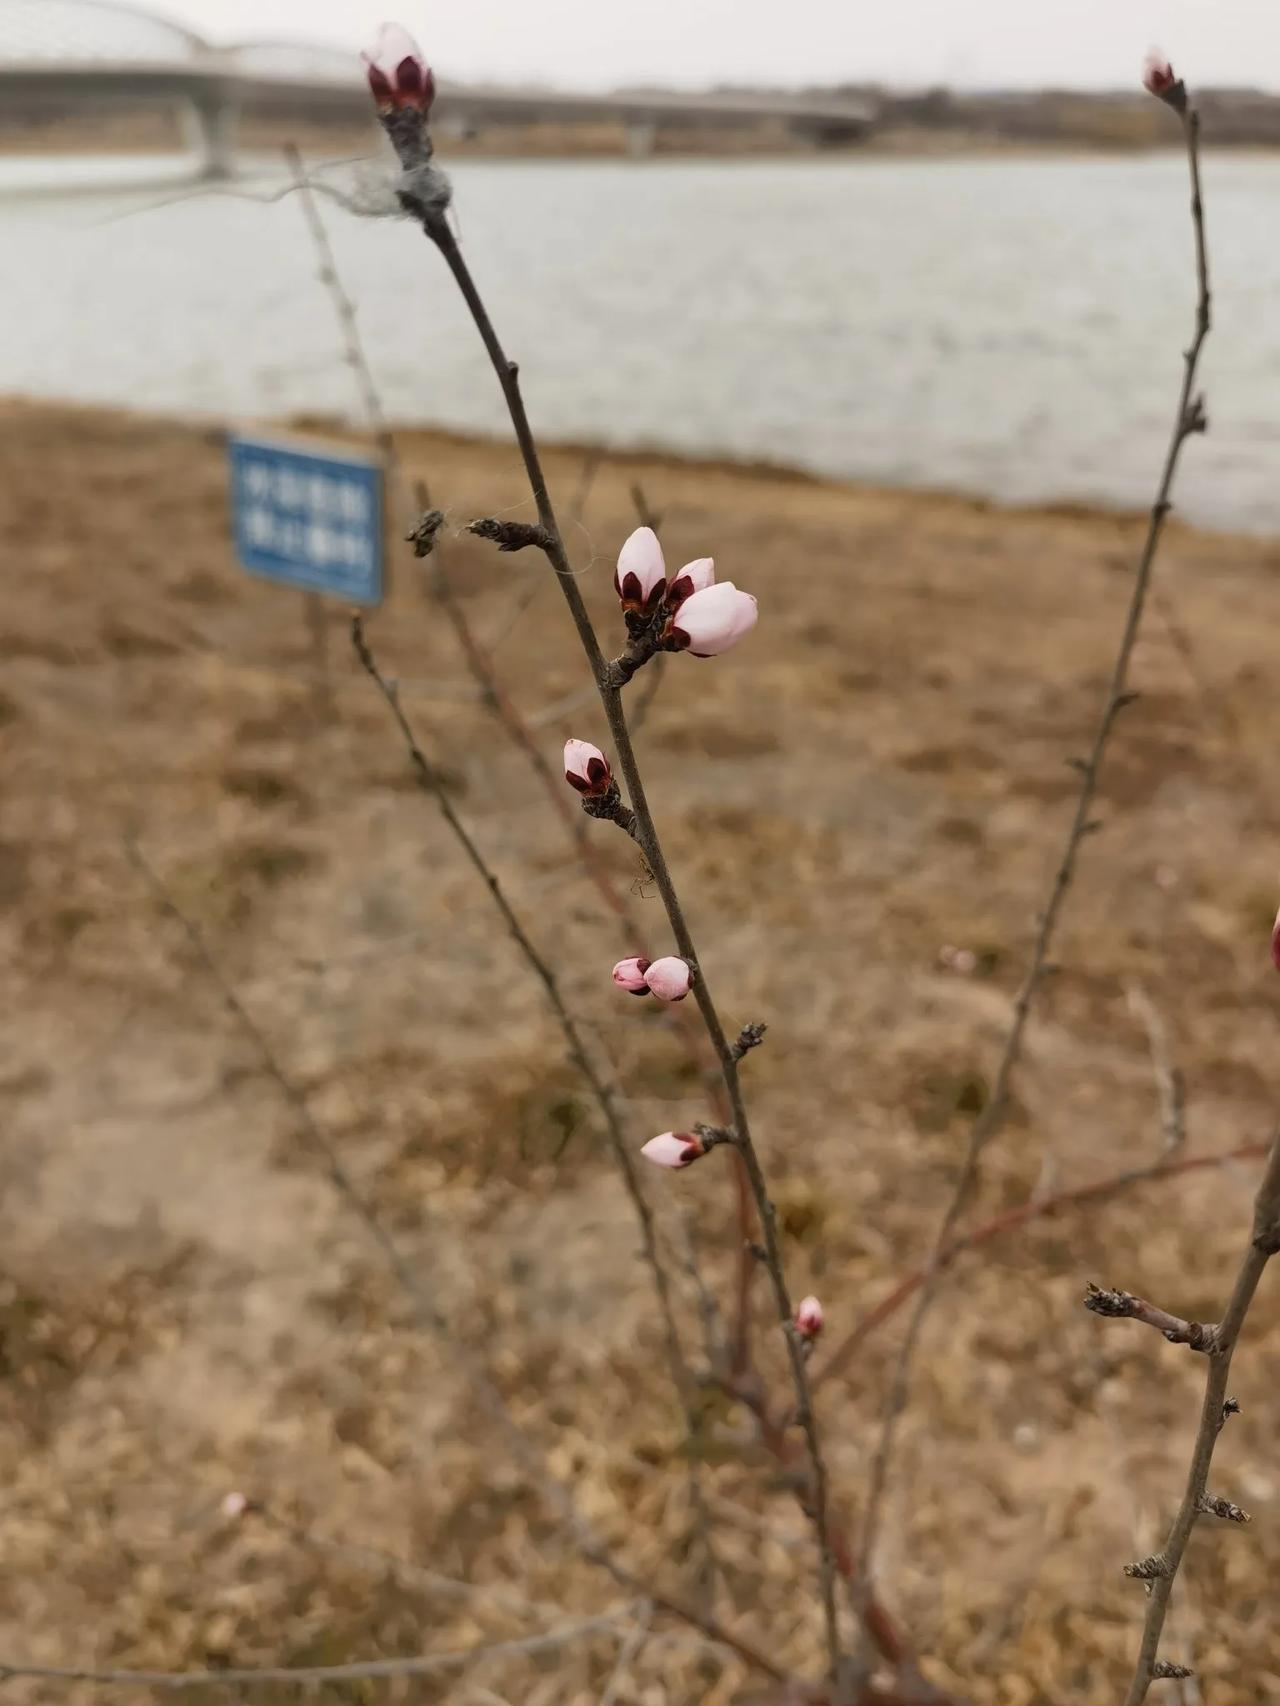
[
  {"x": 211, "y": 123},
  {"x": 642, "y": 136}
]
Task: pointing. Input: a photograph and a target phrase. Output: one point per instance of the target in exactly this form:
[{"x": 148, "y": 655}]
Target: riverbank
[
  {"x": 933, "y": 122},
  {"x": 865, "y": 802}
]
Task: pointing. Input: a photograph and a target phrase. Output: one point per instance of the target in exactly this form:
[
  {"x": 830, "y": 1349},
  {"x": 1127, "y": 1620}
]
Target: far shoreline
[{"x": 417, "y": 442}]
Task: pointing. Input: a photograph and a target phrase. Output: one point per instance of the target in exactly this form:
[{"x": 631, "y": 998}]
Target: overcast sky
[{"x": 601, "y": 43}]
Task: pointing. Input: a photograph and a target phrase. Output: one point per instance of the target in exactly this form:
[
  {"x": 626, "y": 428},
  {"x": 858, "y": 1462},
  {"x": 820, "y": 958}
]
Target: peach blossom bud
[
  {"x": 641, "y": 579},
  {"x": 629, "y": 975},
  {"x": 673, "y": 1149},
  {"x": 1159, "y": 79},
  {"x": 234, "y": 1505},
  {"x": 1275, "y": 943},
  {"x": 669, "y": 979},
  {"x": 398, "y": 74},
  {"x": 693, "y": 577},
  {"x": 713, "y": 620},
  {"x": 586, "y": 768},
  {"x": 808, "y": 1318}
]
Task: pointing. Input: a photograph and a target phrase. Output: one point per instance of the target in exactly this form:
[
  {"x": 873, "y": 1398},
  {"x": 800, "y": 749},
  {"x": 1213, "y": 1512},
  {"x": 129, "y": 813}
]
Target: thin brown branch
[
  {"x": 1188, "y": 419},
  {"x": 420, "y": 1296},
  {"x": 714, "y": 1344},
  {"x": 301, "y": 1676},
  {"x": 431, "y": 1319},
  {"x": 627, "y": 1655},
  {"x": 1264, "y": 1242},
  {"x": 1171, "y": 1089},
  {"x": 1123, "y": 1305},
  {"x": 390, "y": 1565},
  {"x": 437, "y": 229},
  {"x": 601, "y": 1089},
  {"x": 788, "y": 1453},
  {"x": 500, "y": 703},
  {"x": 344, "y": 307},
  {"x": 1115, "y": 1184}
]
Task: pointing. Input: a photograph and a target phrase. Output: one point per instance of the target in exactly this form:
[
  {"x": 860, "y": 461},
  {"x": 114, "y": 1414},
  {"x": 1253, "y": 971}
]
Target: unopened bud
[
  {"x": 713, "y": 620},
  {"x": 673, "y": 1149},
  {"x": 629, "y": 975},
  {"x": 641, "y": 578},
  {"x": 1160, "y": 80},
  {"x": 669, "y": 979},
  {"x": 693, "y": 577},
  {"x": 398, "y": 75},
  {"x": 809, "y": 1318},
  {"x": 586, "y": 768}
]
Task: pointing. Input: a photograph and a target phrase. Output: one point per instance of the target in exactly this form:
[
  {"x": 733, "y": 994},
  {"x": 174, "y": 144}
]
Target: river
[{"x": 1010, "y": 327}]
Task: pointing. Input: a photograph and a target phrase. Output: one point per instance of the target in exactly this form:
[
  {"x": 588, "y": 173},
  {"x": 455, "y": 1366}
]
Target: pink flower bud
[
  {"x": 234, "y": 1505},
  {"x": 1158, "y": 78},
  {"x": 641, "y": 580},
  {"x": 673, "y": 1149},
  {"x": 693, "y": 577},
  {"x": 629, "y": 975},
  {"x": 713, "y": 620},
  {"x": 1275, "y": 943},
  {"x": 669, "y": 979},
  {"x": 808, "y": 1318},
  {"x": 586, "y": 768},
  {"x": 398, "y": 74}
]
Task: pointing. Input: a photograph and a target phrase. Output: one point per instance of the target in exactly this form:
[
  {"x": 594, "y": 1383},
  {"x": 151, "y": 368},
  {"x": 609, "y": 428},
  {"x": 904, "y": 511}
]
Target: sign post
[{"x": 308, "y": 518}]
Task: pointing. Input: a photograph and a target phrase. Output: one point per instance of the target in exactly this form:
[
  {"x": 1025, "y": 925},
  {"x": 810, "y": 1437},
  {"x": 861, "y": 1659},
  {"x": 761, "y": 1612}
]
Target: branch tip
[
  {"x": 1210, "y": 1505},
  {"x": 423, "y": 536},
  {"x": 511, "y": 535},
  {"x": 1123, "y": 1305},
  {"x": 1149, "y": 1569},
  {"x": 749, "y": 1037}
]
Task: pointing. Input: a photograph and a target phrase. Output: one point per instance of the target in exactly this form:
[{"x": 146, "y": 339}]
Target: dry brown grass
[{"x": 186, "y": 1309}]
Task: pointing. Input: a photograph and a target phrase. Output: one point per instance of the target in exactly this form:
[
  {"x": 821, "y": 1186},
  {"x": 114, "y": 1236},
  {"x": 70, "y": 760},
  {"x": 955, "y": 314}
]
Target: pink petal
[
  {"x": 586, "y": 768},
  {"x": 629, "y": 975},
  {"x": 669, "y": 978},
  {"x": 1275, "y": 943},
  {"x": 672, "y": 1149},
  {"x": 715, "y": 619},
  {"x": 393, "y": 45},
  {"x": 693, "y": 577},
  {"x": 1157, "y": 73},
  {"x": 809, "y": 1318},
  {"x": 641, "y": 558},
  {"x": 397, "y": 71}
]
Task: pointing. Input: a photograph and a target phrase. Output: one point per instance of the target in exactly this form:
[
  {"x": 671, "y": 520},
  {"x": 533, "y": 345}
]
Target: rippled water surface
[{"x": 1007, "y": 327}]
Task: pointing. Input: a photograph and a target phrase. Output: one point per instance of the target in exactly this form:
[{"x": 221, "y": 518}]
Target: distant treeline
[{"x": 1237, "y": 117}]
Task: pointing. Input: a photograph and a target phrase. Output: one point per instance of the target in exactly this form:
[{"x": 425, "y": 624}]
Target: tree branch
[
  {"x": 431, "y": 1319},
  {"x": 603, "y": 1092},
  {"x": 430, "y": 1664},
  {"x": 1123, "y": 1305},
  {"x": 1188, "y": 419},
  {"x": 1009, "y": 1221},
  {"x": 437, "y": 229},
  {"x": 500, "y": 703},
  {"x": 1264, "y": 1242}
]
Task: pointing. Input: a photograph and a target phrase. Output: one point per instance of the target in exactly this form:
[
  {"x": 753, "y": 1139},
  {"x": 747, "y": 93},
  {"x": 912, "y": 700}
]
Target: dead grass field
[{"x": 185, "y": 1306}]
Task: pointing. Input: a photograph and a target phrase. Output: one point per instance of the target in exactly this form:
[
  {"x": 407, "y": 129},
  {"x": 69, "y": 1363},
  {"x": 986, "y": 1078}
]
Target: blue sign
[{"x": 308, "y": 519}]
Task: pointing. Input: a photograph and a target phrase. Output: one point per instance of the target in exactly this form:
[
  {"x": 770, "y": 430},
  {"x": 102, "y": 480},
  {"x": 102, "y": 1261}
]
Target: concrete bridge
[{"x": 61, "y": 54}]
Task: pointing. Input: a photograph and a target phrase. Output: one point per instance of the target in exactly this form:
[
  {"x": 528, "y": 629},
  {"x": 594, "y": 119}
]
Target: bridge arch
[
  {"x": 87, "y": 32},
  {"x": 303, "y": 60}
]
